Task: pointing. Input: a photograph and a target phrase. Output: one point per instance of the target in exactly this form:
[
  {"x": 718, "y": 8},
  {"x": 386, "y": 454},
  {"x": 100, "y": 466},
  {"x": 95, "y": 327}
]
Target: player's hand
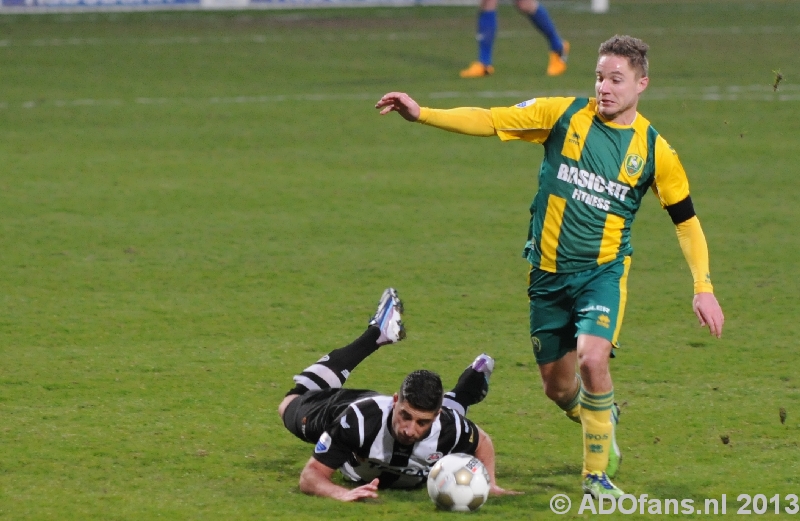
[
  {"x": 370, "y": 490},
  {"x": 401, "y": 103},
  {"x": 494, "y": 490},
  {"x": 709, "y": 312}
]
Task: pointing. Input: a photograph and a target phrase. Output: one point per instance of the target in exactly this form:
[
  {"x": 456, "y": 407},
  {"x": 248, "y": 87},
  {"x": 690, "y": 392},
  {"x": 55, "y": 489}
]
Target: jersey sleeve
[
  {"x": 671, "y": 184},
  {"x": 530, "y": 120},
  {"x": 468, "y": 441},
  {"x": 472, "y": 121},
  {"x": 343, "y": 438},
  {"x": 695, "y": 250},
  {"x": 458, "y": 433}
]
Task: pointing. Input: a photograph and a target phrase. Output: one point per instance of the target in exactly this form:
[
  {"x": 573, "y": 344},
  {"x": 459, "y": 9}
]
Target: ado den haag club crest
[{"x": 634, "y": 164}]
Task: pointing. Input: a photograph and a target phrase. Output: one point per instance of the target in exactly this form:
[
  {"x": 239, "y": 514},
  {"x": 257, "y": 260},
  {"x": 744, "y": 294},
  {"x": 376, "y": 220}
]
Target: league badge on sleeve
[
  {"x": 524, "y": 104},
  {"x": 323, "y": 444}
]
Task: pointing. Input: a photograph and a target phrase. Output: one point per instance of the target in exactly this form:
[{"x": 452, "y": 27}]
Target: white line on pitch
[
  {"x": 383, "y": 36},
  {"x": 763, "y": 93}
]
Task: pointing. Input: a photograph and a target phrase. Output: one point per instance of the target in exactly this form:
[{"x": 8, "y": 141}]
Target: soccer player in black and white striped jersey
[{"x": 377, "y": 440}]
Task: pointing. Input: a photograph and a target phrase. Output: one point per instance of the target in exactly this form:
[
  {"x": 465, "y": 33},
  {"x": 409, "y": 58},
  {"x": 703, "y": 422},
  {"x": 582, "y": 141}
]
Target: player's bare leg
[
  {"x": 597, "y": 401},
  {"x": 562, "y": 385}
]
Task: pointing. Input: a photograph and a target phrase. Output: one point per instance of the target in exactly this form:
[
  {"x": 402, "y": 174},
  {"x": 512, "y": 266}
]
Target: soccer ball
[{"x": 458, "y": 482}]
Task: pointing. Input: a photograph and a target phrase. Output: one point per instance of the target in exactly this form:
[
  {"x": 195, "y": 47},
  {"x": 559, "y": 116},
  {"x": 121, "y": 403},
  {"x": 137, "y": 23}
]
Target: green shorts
[{"x": 565, "y": 305}]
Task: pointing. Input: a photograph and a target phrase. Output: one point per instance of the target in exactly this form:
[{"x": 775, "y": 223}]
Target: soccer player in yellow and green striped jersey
[{"x": 601, "y": 158}]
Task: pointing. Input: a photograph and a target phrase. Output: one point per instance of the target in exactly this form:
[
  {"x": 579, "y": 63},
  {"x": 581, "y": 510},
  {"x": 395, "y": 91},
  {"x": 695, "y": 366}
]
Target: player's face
[
  {"x": 617, "y": 86},
  {"x": 410, "y": 425}
]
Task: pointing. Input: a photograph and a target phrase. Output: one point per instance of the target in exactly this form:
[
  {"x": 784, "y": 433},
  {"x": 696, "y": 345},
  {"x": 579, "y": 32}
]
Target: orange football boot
[
  {"x": 477, "y": 70},
  {"x": 558, "y": 62}
]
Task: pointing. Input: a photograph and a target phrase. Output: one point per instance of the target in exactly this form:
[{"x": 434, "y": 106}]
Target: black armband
[{"x": 681, "y": 211}]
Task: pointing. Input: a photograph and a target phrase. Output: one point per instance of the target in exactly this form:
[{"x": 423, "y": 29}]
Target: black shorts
[
  {"x": 295, "y": 417},
  {"x": 311, "y": 413}
]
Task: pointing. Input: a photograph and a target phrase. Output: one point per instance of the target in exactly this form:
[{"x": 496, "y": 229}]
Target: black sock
[
  {"x": 332, "y": 370},
  {"x": 470, "y": 389}
]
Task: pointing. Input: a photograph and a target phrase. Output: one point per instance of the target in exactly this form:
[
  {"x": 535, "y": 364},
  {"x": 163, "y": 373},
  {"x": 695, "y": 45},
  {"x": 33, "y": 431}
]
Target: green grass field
[{"x": 195, "y": 206}]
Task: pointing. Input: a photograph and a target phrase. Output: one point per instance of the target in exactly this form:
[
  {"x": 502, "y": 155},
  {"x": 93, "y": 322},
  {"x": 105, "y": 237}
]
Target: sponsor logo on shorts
[
  {"x": 323, "y": 444},
  {"x": 602, "y": 309},
  {"x": 604, "y": 321}
]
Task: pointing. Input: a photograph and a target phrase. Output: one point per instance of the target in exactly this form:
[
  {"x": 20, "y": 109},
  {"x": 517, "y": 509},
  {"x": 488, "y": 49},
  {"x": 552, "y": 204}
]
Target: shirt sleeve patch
[
  {"x": 527, "y": 103},
  {"x": 324, "y": 444}
]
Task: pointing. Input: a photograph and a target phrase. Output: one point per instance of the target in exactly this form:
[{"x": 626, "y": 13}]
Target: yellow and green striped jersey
[{"x": 591, "y": 182}]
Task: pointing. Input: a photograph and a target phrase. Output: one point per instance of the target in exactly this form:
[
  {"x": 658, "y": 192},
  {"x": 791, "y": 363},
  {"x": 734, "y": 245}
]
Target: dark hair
[
  {"x": 634, "y": 49},
  {"x": 422, "y": 390}
]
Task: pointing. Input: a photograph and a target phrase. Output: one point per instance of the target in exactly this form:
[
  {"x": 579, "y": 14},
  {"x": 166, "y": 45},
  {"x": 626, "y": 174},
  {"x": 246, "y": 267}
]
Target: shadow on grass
[
  {"x": 563, "y": 470},
  {"x": 280, "y": 463},
  {"x": 674, "y": 490}
]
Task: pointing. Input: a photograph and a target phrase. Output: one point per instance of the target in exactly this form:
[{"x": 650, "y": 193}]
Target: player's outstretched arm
[
  {"x": 485, "y": 453},
  {"x": 695, "y": 250},
  {"x": 401, "y": 103},
  {"x": 709, "y": 312},
  {"x": 316, "y": 480},
  {"x": 471, "y": 121}
]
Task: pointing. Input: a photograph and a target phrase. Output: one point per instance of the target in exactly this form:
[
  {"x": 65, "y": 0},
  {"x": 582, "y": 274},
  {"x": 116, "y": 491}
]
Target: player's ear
[
  {"x": 643, "y": 82},
  {"x": 395, "y": 398}
]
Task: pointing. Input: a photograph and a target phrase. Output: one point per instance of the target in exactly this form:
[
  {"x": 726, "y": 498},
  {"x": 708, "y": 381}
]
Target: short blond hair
[{"x": 634, "y": 49}]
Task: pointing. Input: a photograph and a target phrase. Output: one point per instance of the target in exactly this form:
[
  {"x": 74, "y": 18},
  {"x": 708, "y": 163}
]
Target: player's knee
[
  {"x": 557, "y": 392},
  {"x": 593, "y": 363},
  {"x": 285, "y": 403},
  {"x": 526, "y": 6}
]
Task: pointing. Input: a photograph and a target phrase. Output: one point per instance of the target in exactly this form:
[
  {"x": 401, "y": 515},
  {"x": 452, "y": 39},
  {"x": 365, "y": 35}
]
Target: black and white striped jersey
[{"x": 360, "y": 444}]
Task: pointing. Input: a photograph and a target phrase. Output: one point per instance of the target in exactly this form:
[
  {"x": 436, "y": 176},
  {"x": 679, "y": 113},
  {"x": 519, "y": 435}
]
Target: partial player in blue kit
[
  {"x": 382, "y": 441},
  {"x": 487, "y": 30}
]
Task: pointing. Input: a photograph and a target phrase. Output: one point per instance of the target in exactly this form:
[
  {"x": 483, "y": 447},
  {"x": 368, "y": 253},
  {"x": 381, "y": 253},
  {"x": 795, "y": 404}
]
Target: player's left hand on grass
[
  {"x": 709, "y": 312},
  {"x": 494, "y": 490},
  {"x": 368, "y": 491}
]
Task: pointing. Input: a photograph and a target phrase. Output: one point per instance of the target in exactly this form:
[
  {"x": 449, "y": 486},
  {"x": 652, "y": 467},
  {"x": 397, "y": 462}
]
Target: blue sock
[
  {"x": 542, "y": 21},
  {"x": 487, "y": 27}
]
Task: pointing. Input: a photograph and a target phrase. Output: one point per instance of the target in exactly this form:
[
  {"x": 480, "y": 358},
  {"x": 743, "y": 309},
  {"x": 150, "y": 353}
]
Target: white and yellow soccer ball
[{"x": 458, "y": 482}]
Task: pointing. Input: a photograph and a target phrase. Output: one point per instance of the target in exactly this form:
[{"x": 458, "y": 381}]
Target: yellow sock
[
  {"x": 595, "y": 414},
  {"x": 573, "y": 408},
  {"x": 574, "y": 414}
]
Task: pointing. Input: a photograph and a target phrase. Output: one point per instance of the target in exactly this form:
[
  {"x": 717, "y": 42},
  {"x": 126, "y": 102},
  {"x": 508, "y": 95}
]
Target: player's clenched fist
[{"x": 399, "y": 102}]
